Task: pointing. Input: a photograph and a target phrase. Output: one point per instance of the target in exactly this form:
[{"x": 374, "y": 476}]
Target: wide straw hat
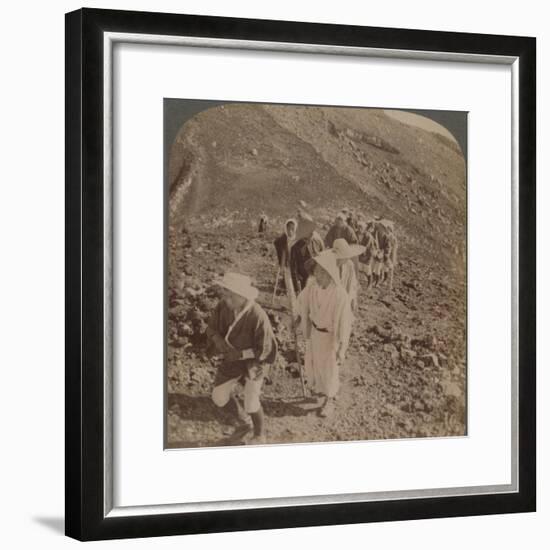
[
  {"x": 239, "y": 284},
  {"x": 306, "y": 226},
  {"x": 343, "y": 250},
  {"x": 327, "y": 260}
]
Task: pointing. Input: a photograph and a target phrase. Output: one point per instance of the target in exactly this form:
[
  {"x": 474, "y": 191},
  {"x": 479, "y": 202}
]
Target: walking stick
[
  {"x": 276, "y": 286},
  {"x": 290, "y": 289},
  {"x": 299, "y": 360}
]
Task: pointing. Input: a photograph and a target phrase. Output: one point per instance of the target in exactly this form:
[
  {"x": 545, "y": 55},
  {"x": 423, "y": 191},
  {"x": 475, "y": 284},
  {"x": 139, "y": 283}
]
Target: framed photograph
[{"x": 300, "y": 274}]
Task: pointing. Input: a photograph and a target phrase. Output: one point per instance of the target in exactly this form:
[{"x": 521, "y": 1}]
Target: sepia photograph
[
  {"x": 296, "y": 243},
  {"x": 315, "y": 273}
]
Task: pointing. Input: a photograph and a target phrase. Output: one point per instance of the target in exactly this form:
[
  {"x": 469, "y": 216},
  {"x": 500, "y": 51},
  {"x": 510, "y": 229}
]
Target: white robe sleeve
[
  {"x": 303, "y": 303},
  {"x": 349, "y": 280},
  {"x": 343, "y": 321}
]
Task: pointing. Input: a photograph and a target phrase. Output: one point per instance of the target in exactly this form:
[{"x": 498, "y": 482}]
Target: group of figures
[
  {"x": 301, "y": 242},
  {"x": 321, "y": 278}
]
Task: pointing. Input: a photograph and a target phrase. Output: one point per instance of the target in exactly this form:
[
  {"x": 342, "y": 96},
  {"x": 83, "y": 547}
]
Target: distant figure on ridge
[{"x": 262, "y": 226}]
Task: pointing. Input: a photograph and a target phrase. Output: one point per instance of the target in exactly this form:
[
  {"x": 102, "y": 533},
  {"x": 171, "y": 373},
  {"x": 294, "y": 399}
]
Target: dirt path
[{"x": 404, "y": 375}]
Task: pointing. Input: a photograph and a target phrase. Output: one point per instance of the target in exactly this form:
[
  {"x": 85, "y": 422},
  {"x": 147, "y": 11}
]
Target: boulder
[
  {"x": 389, "y": 348},
  {"x": 408, "y": 354},
  {"x": 185, "y": 330}
]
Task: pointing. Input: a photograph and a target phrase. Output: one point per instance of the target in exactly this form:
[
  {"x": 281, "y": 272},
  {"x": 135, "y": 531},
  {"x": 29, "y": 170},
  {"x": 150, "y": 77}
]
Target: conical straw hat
[
  {"x": 343, "y": 250},
  {"x": 239, "y": 284},
  {"x": 327, "y": 260}
]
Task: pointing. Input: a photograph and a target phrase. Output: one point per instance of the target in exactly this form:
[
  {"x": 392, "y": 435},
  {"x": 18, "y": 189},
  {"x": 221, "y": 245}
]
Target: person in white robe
[
  {"x": 344, "y": 253},
  {"x": 325, "y": 316}
]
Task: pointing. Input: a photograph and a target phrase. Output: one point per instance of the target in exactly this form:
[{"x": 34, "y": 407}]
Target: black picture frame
[{"x": 85, "y": 240}]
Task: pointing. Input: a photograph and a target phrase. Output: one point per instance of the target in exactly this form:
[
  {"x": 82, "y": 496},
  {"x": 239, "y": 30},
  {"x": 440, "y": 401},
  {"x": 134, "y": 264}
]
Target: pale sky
[{"x": 419, "y": 121}]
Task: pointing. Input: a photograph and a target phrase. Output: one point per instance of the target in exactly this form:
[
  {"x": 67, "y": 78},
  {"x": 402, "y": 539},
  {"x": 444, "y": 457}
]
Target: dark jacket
[
  {"x": 343, "y": 232},
  {"x": 302, "y": 251},
  {"x": 252, "y": 332},
  {"x": 280, "y": 244}
]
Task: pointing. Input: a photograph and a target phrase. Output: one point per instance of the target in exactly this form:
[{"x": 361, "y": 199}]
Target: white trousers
[{"x": 252, "y": 391}]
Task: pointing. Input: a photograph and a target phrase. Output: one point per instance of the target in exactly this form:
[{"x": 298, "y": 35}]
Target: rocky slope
[{"x": 405, "y": 375}]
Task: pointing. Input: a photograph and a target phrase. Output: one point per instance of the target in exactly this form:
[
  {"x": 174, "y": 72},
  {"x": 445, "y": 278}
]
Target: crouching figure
[{"x": 240, "y": 330}]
